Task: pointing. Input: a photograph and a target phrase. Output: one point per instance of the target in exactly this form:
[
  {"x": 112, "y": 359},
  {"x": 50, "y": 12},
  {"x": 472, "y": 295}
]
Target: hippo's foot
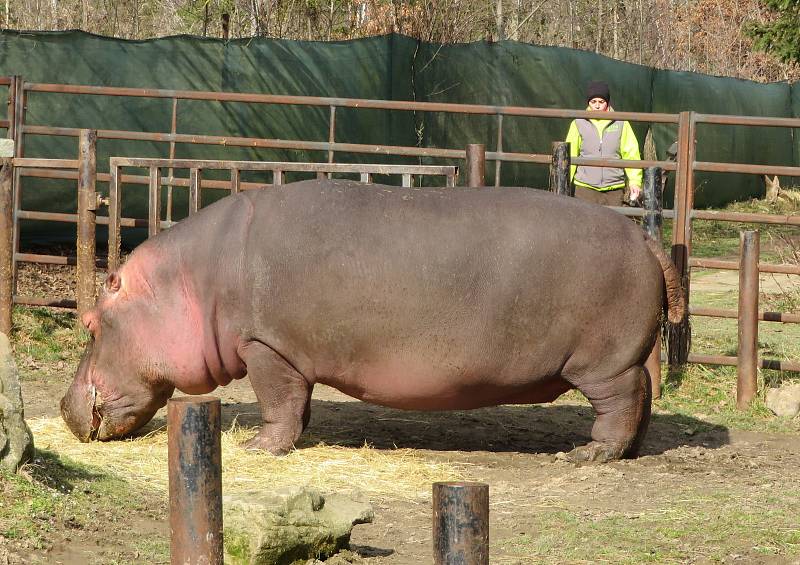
[
  {"x": 267, "y": 442},
  {"x": 596, "y": 452}
]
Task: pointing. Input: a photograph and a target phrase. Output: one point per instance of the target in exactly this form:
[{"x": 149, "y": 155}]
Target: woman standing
[{"x": 612, "y": 139}]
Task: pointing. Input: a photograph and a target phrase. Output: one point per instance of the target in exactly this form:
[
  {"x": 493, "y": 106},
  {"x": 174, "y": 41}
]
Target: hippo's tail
[{"x": 676, "y": 331}]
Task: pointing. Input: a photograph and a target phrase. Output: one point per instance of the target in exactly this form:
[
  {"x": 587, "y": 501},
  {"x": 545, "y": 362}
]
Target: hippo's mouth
[{"x": 97, "y": 418}]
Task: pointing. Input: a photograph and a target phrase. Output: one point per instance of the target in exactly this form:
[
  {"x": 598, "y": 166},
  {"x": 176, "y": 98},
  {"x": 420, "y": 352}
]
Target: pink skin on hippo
[{"x": 427, "y": 299}]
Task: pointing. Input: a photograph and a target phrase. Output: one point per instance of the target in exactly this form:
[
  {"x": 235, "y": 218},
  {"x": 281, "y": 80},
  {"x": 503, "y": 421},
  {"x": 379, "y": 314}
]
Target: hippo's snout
[{"x": 79, "y": 409}]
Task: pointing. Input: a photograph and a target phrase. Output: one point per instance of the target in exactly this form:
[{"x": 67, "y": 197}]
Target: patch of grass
[
  {"x": 55, "y": 498},
  {"x": 46, "y": 340},
  {"x": 682, "y": 525}
]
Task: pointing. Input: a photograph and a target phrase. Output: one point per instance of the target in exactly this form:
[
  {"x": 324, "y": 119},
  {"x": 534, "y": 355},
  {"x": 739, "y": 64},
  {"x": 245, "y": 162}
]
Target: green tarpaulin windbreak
[{"x": 390, "y": 67}]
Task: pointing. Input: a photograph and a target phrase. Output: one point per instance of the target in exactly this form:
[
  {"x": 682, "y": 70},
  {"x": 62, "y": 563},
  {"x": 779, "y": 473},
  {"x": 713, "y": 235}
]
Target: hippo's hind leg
[
  {"x": 622, "y": 405},
  {"x": 284, "y": 395}
]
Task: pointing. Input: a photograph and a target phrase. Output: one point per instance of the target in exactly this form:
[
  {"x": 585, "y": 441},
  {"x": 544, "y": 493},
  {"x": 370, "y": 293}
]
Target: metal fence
[{"x": 684, "y": 166}]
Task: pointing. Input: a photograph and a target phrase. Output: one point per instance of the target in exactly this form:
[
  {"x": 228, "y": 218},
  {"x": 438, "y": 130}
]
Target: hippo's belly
[{"x": 415, "y": 386}]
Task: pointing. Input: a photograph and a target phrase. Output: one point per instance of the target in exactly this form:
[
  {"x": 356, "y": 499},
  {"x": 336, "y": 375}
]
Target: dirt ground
[{"x": 513, "y": 449}]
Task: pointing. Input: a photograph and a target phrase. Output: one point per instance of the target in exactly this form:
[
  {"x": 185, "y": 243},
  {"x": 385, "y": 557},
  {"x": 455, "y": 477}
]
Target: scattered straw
[{"x": 398, "y": 473}]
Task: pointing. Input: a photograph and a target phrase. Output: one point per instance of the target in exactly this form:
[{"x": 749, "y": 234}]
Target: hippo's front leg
[
  {"x": 622, "y": 405},
  {"x": 284, "y": 395}
]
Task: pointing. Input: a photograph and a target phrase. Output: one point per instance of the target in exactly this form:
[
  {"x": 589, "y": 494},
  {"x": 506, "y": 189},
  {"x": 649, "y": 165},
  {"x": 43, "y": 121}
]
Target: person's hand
[{"x": 636, "y": 192}]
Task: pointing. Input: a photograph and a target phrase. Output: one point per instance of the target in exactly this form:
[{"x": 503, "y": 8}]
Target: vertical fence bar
[
  {"x": 6, "y": 244},
  {"x": 277, "y": 177},
  {"x": 559, "y": 170},
  {"x": 365, "y": 178},
  {"x": 747, "y": 356},
  {"x": 114, "y": 217},
  {"x": 499, "y": 146},
  {"x": 476, "y": 164},
  {"x": 20, "y": 103},
  {"x": 407, "y": 180},
  {"x": 87, "y": 221},
  {"x": 154, "y": 202},
  {"x": 236, "y": 181},
  {"x": 195, "y": 181},
  {"x": 170, "y": 178},
  {"x": 460, "y": 523},
  {"x": 653, "y": 226},
  {"x": 195, "y": 480},
  {"x": 10, "y": 107},
  {"x": 331, "y": 133}
]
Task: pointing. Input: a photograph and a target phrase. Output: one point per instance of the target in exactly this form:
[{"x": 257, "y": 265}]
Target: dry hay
[{"x": 396, "y": 474}]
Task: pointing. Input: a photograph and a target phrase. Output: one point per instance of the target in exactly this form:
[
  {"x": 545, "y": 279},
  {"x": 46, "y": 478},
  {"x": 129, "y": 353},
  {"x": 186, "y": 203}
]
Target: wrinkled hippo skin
[{"x": 425, "y": 299}]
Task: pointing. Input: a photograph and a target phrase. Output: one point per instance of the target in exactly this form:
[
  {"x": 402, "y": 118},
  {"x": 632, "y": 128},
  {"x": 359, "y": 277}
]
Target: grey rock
[
  {"x": 785, "y": 400},
  {"x": 16, "y": 440},
  {"x": 289, "y": 526}
]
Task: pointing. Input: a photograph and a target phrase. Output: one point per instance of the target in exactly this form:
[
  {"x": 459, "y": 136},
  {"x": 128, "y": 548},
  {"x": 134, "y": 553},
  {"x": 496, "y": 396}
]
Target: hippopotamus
[{"x": 410, "y": 298}]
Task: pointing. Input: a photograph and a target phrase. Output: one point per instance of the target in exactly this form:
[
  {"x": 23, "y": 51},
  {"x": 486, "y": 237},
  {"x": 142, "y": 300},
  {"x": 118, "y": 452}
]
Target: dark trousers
[{"x": 607, "y": 198}]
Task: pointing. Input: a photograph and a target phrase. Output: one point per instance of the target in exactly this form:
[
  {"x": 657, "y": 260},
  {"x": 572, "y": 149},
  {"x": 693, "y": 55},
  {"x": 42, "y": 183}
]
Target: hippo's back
[{"x": 495, "y": 279}]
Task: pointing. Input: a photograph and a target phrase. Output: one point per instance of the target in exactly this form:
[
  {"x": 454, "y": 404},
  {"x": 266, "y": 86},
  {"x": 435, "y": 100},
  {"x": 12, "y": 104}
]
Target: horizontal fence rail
[{"x": 278, "y": 169}]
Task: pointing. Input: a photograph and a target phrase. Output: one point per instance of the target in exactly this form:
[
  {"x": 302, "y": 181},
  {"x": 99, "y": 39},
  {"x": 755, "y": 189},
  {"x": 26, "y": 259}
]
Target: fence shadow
[{"x": 545, "y": 429}]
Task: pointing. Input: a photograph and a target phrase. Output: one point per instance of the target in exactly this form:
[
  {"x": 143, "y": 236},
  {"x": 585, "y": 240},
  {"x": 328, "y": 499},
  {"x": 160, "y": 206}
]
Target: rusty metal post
[
  {"x": 476, "y": 164},
  {"x": 20, "y": 105},
  {"x": 559, "y": 170},
  {"x": 171, "y": 171},
  {"x": 499, "y": 145},
  {"x": 331, "y": 133},
  {"x": 747, "y": 357},
  {"x": 653, "y": 226},
  {"x": 195, "y": 480},
  {"x": 114, "y": 218},
  {"x": 236, "y": 181},
  {"x": 154, "y": 202},
  {"x": 195, "y": 184},
  {"x": 460, "y": 523},
  {"x": 87, "y": 220},
  {"x": 6, "y": 244}
]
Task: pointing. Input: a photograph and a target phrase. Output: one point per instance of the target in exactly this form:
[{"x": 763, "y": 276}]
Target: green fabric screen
[{"x": 391, "y": 67}]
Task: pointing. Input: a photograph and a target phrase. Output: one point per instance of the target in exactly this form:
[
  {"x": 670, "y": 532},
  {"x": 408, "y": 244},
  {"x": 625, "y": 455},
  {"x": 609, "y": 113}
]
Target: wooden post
[
  {"x": 747, "y": 357},
  {"x": 476, "y": 164},
  {"x": 560, "y": 169},
  {"x": 653, "y": 226},
  {"x": 87, "y": 220},
  {"x": 6, "y": 244}
]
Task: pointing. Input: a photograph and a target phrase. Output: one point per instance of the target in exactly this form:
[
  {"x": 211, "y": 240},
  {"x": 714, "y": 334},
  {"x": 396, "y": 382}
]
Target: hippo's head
[{"x": 126, "y": 373}]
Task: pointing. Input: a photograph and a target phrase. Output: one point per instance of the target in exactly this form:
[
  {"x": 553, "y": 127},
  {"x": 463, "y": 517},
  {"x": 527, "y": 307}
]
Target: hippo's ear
[{"x": 113, "y": 282}]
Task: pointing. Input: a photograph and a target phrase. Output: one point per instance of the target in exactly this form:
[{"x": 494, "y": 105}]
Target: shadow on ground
[{"x": 524, "y": 429}]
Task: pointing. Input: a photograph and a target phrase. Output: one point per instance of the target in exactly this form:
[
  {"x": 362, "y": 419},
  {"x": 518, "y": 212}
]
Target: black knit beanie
[{"x": 598, "y": 89}]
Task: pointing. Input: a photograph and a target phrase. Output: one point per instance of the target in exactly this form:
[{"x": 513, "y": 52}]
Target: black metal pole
[{"x": 460, "y": 523}]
